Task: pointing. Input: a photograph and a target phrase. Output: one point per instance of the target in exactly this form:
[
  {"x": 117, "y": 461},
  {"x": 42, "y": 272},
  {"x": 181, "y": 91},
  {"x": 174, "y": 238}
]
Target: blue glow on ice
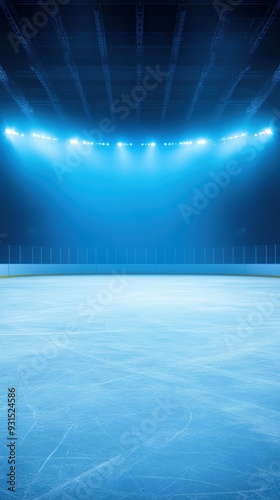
[{"x": 142, "y": 387}]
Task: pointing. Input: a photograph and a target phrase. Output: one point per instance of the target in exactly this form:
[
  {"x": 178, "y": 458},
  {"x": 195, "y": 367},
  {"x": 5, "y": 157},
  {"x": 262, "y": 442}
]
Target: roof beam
[
  {"x": 177, "y": 38},
  {"x": 139, "y": 51},
  {"x": 264, "y": 26},
  {"x": 264, "y": 93},
  {"x": 228, "y": 94},
  {"x": 100, "y": 29},
  {"x": 16, "y": 24},
  {"x": 69, "y": 60},
  {"x": 15, "y": 93},
  {"x": 255, "y": 41},
  {"x": 210, "y": 60}
]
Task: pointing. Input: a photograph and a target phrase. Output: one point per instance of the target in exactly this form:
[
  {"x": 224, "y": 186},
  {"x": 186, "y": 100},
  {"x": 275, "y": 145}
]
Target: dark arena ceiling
[{"x": 161, "y": 67}]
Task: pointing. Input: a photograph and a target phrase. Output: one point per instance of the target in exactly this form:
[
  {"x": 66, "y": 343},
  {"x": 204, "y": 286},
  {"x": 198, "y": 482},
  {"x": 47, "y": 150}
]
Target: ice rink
[{"x": 142, "y": 387}]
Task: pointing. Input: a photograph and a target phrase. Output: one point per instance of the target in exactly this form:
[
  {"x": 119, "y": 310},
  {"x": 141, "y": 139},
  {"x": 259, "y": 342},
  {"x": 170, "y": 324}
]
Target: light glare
[
  {"x": 10, "y": 131},
  {"x": 75, "y": 141}
]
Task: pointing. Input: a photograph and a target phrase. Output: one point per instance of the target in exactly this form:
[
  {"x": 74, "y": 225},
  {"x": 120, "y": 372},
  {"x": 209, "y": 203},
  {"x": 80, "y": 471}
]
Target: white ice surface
[{"x": 170, "y": 390}]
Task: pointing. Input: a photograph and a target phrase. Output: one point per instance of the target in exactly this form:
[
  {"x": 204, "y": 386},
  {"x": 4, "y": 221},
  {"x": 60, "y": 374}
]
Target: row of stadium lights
[{"x": 13, "y": 132}]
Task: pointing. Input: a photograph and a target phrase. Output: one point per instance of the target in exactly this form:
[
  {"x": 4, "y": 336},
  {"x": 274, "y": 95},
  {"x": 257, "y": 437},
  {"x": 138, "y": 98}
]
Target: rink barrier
[{"x": 13, "y": 270}]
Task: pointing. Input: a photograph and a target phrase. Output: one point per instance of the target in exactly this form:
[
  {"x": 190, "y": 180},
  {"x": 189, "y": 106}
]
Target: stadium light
[
  {"x": 44, "y": 137},
  {"x": 200, "y": 142},
  {"x": 10, "y": 131},
  {"x": 232, "y": 137},
  {"x": 267, "y": 131}
]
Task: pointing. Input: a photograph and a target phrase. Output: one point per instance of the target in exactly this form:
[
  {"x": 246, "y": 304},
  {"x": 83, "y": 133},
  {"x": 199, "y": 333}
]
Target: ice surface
[{"x": 142, "y": 387}]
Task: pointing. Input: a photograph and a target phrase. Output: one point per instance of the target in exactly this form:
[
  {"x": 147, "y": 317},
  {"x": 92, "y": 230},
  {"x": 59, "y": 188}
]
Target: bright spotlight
[
  {"x": 153, "y": 144},
  {"x": 267, "y": 131},
  {"x": 10, "y": 131},
  {"x": 73, "y": 141},
  {"x": 201, "y": 141},
  {"x": 44, "y": 137},
  {"x": 120, "y": 144}
]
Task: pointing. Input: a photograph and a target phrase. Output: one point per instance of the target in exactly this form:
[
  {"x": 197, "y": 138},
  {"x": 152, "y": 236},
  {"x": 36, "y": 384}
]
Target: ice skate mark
[
  {"x": 103, "y": 361},
  {"x": 224, "y": 493},
  {"x": 115, "y": 339},
  {"x": 191, "y": 481},
  {"x": 78, "y": 478},
  {"x": 110, "y": 331},
  {"x": 24, "y": 397},
  {"x": 182, "y": 431},
  {"x": 163, "y": 445},
  {"x": 110, "y": 437},
  {"x": 23, "y": 439},
  {"x": 227, "y": 459},
  {"x": 135, "y": 482},
  {"x": 48, "y": 458},
  {"x": 2, "y": 492}
]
